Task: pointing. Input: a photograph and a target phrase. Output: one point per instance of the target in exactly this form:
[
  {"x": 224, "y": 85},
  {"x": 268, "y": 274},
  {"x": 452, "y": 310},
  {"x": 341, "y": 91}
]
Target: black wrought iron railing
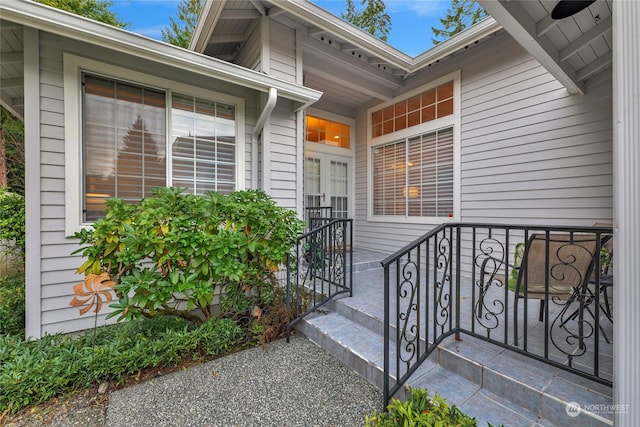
[
  {"x": 317, "y": 216},
  {"x": 484, "y": 280},
  {"x": 319, "y": 267}
]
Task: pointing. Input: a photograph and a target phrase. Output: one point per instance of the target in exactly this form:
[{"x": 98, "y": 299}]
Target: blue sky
[{"x": 411, "y": 20}]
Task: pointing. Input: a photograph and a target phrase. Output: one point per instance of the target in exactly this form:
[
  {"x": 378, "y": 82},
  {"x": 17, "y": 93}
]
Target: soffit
[
  {"x": 574, "y": 49},
  {"x": 12, "y": 68},
  {"x": 350, "y": 66},
  {"x": 55, "y": 21}
]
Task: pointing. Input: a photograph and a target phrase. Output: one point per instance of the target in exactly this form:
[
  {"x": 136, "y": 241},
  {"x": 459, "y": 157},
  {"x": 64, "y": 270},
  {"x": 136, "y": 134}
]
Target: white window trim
[
  {"x": 336, "y": 151},
  {"x": 74, "y": 66},
  {"x": 451, "y": 121}
]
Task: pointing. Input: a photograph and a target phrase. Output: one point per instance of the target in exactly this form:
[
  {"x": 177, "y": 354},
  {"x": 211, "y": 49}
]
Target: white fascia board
[
  {"x": 207, "y": 21},
  {"x": 470, "y": 35},
  {"x": 66, "y": 24},
  {"x": 515, "y": 20},
  {"x": 320, "y": 18}
]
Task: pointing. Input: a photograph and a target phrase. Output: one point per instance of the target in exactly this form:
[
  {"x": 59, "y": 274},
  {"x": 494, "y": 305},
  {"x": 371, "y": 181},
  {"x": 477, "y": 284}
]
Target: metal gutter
[
  {"x": 55, "y": 21},
  {"x": 315, "y": 16},
  {"x": 470, "y": 35},
  {"x": 320, "y": 18},
  {"x": 266, "y": 113}
]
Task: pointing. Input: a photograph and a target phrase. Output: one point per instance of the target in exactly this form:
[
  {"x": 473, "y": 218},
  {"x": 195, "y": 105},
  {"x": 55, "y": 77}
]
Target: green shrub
[
  {"x": 12, "y": 304},
  {"x": 173, "y": 253},
  {"x": 31, "y": 372},
  {"x": 12, "y": 229},
  {"x": 12, "y": 214},
  {"x": 420, "y": 410}
]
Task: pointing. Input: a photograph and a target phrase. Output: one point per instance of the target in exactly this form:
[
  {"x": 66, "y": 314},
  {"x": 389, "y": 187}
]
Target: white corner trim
[
  {"x": 300, "y": 147},
  {"x": 33, "y": 294},
  {"x": 73, "y": 66}
]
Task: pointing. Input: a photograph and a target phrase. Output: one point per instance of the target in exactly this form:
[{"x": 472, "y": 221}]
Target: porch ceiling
[
  {"x": 575, "y": 49},
  {"x": 12, "y": 68}
]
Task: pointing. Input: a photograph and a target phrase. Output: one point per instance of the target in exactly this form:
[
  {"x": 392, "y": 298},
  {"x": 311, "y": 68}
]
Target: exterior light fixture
[{"x": 567, "y": 8}]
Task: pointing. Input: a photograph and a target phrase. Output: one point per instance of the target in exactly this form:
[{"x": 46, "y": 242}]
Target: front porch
[{"x": 487, "y": 380}]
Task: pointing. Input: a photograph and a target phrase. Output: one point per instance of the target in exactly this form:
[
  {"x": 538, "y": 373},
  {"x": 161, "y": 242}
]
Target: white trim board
[{"x": 73, "y": 67}]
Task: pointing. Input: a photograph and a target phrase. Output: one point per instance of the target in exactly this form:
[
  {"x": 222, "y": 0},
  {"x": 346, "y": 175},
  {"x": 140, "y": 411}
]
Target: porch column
[{"x": 626, "y": 158}]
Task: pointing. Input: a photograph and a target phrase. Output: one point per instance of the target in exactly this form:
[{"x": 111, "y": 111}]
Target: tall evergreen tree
[
  {"x": 373, "y": 18},
  {"x": 461, "y": 14},
  {"x": 97, "y": 10},
  {"x": 180, "y": 31}
]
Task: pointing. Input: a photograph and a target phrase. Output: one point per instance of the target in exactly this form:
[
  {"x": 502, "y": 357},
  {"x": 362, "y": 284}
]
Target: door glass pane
[
  {"x": 312, "y": 176},
  {"x": 339, "y": 188}
]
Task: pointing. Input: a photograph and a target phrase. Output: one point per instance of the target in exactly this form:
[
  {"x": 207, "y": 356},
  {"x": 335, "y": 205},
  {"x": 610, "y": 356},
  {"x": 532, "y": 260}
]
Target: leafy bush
[
  {"x": 33, "y": 371},
  {"x": 420, "y": 410},
  {"x": 173, "y": 253},
  {"x": 12, "y": 304},
  {"x": 12, "y": 229},
  {"x": 12, "y": 214}
]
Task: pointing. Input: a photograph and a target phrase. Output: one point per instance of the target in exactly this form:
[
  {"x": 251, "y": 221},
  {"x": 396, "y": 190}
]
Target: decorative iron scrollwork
[
  {"x": 407, "y": 288},
  {"x": 489, "y": 261},
  {"x": 443, "y": 279},
  {"x": 570, "y": 330}
]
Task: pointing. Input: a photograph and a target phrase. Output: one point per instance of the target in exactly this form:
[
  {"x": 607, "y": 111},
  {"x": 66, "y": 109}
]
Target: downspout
[{"x": 266, "y": 113}]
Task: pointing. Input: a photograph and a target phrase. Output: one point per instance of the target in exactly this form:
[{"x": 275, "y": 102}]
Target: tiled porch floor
[{"x": 537, "y": 386}]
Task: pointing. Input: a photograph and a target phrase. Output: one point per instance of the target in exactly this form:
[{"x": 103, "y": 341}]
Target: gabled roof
[
  {"x": 573, "y": 49},
  {"x": 317, "y": 22},
  {"x": 27, "y": 13},
  {"x": 350, "y": 66}
]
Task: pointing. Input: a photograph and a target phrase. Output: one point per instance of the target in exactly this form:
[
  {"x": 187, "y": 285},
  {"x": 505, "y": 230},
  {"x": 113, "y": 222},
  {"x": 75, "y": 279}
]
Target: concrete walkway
[{"x": 295, "y": 384}]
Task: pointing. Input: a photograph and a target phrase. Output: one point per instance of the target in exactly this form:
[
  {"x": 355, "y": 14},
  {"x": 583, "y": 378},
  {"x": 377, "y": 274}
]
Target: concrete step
[{"x": 490, "y": 383}]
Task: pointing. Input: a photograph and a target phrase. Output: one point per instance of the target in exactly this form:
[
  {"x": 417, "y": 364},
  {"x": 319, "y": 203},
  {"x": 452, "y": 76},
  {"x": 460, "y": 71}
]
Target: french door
[{"x": 328, "y": 182}]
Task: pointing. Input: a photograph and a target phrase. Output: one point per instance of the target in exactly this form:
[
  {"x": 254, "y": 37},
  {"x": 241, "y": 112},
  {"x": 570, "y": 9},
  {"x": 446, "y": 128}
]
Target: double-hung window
[
  {"x": 137, "y": 132},
  {"x": 413, "y": 155}
]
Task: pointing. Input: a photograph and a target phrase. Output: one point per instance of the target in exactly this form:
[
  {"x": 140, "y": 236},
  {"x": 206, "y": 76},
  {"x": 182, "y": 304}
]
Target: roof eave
[
  {"x": 211, "y": 11},
  {"x": 470, "y": 35},
  {"x": 514, "y": 20},
  {"x": 79, "y": 28},
  {"x": 320, "y": 18}
]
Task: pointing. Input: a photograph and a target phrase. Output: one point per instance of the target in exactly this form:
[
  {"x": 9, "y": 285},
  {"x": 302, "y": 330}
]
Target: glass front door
[{"x": 327, "y": 181}]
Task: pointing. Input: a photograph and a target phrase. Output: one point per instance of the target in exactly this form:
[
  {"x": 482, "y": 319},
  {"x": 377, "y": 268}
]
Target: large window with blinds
[
  {"x": 136, "y": 138},
  {"x": 414, "y": 176},
  {"x": 413, "y": 163}
]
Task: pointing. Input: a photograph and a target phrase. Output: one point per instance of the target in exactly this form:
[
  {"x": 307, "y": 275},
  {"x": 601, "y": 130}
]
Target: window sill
[{"x": 411, "y": 219}]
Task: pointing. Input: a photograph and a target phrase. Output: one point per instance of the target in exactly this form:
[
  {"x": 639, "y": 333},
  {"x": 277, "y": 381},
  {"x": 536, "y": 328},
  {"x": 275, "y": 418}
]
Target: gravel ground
[{"x": 295, "y": 384}]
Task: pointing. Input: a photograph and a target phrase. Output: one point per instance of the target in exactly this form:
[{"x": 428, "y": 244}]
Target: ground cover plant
[
  {"x": 33, "y": 371},
  {"x": 420, "y": 410},
  {"x": 194, "y": 276}
]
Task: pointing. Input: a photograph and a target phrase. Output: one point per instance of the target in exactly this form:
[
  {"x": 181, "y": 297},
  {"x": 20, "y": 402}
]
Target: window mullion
[
  {"x": 437, "y": 162},
  {"x": 406, "y": 177}
]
